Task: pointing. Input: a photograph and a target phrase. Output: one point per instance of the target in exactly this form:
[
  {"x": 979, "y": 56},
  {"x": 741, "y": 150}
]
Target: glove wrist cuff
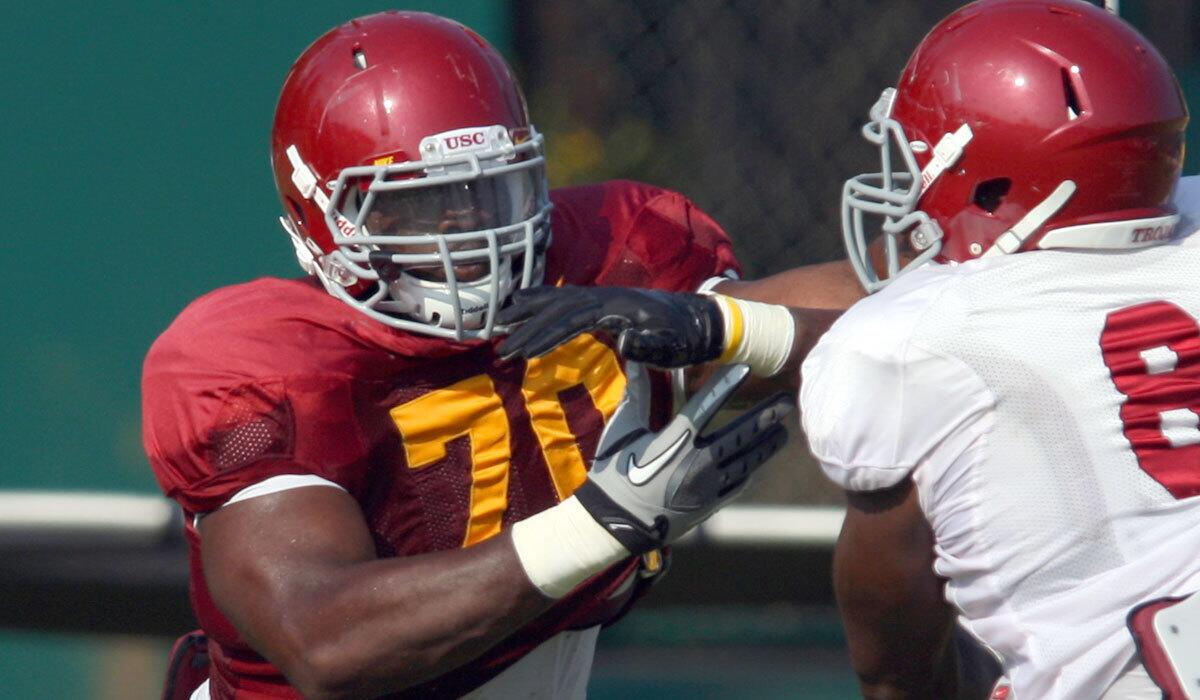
[
  {"x": 563, "y": 546},
  {"x": 619, "y": 523}
]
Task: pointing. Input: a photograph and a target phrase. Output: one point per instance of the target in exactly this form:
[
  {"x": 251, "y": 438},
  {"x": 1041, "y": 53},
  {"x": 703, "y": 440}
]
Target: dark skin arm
[
  {"x": 899, "y": 628},
  {"x": 831, "y": 285},
  {"x": 816, "y": 295},
  {"x": 307, "y": 592}
]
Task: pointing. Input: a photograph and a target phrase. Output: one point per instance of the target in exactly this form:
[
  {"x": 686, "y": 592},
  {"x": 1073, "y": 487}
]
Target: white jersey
[{"x": 1047, "y": 406}]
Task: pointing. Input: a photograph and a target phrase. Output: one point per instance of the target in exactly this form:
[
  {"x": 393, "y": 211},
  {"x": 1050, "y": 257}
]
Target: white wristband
[
  {"x": 563, "y": 546},
  {"x": 758, "y": 334}
]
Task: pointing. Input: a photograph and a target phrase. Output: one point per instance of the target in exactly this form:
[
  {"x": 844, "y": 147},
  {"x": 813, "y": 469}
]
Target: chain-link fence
[
  {"x": 753, "y": 108},
  {"x": 750, "y": 107}
]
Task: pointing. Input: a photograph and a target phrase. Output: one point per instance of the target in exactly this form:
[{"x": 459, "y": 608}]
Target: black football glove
[
  {"x": 649, "y": 488},
  {"x": 664, "y": 329}
]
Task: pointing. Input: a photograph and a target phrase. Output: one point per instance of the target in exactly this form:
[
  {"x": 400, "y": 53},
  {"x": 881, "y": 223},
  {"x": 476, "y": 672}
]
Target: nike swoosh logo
[{"x": 641, "y": 473}]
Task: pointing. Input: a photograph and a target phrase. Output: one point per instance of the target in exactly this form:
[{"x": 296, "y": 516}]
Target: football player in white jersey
[
  {"x": 1017, "y": 427},
  {"x": 1014, "y": 411}
]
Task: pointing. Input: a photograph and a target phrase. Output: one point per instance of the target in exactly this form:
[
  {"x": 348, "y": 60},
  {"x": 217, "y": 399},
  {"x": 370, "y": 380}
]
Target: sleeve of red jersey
[
  {"x": 205, "y": 446},
  {"x": 662, "y": 240}
]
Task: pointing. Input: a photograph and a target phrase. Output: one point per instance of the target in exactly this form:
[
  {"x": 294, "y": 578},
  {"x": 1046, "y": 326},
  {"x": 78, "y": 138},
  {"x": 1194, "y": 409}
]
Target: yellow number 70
[{"x": 471, "y": 407}]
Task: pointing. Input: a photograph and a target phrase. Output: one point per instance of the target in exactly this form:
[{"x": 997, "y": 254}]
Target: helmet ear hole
[
  {"x": 1074, "y": 106},
  {"x": 990, "y": 194}
]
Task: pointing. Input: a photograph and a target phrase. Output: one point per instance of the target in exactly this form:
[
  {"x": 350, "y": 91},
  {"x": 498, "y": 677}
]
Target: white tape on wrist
[
  {"x": 563, "y": 546},
  {"x": 758, "y": 334}
]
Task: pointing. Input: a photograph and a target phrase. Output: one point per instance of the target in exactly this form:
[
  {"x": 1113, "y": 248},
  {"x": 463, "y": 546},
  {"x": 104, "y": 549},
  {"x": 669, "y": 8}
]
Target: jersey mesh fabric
[
  {"x": 1047, "y": 527},
  {"x": 255, "y": 423}
]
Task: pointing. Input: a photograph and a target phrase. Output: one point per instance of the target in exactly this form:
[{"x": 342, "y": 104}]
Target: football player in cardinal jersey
[
  {"x": 1014, "y": 411},
  {"x": 378, "y": 503}
]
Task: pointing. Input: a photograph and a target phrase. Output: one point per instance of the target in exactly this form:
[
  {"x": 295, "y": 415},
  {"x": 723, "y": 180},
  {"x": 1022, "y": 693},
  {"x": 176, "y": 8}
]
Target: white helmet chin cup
[{"x": 439, "y": 304}]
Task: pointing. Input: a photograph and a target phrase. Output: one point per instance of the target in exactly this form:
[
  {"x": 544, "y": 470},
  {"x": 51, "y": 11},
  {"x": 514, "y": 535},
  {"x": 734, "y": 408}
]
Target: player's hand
[
  {"x": 649, "y": 488},
  {"x": 659, "y": 328}
]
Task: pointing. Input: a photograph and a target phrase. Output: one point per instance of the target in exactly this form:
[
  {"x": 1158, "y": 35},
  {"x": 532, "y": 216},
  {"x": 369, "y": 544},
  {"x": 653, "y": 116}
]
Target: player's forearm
[
  {"x": 380, "y": 625},
  {"x": 831, "y": 285},
  {"x": 767, "y": 324},
  {"x": 810, "y": 324},
  {"x": 815, "y": 296},
  {"x": 388, "y": 624}
]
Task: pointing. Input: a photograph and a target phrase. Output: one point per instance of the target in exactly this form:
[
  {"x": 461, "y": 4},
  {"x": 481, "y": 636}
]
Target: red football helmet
[
  {"x": 412, "y": 182},
  {"x": 1020, "y": 124}
]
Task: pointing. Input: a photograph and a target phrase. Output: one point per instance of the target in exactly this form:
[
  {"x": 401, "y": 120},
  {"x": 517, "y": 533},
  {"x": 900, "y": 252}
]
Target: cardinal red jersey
[{"x": 442, "y": 444}]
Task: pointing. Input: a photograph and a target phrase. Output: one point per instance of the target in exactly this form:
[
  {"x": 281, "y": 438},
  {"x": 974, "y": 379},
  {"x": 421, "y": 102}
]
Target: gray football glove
[{"x": 647, "y": 489}]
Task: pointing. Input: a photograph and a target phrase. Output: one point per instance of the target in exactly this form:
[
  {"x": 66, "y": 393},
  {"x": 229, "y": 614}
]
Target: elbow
[
  {"x": 329, "y": 668},
  {"x": 319, "y": 665},
  {"x": 317, "y": 689},
  {"x": 324, "y": 674},
  {"x": 317, "y": 675}
]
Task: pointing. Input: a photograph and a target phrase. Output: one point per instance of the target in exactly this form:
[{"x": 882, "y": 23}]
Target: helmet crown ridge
[{"x": 374, "y": 87}]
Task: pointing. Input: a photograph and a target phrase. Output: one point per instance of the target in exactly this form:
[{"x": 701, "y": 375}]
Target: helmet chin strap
[
  {"x": 305, "y": 253},
  {"x": 1011, "y": 240}
]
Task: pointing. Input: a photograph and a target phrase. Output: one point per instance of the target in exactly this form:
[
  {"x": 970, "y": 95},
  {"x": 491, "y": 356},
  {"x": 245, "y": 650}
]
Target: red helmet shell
[
  {"x": 368, "y": 91},
  {"x": 1053, "y": 90}
]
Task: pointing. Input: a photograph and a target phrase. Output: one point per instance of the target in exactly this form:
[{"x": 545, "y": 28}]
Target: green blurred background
[{"x": 135, "y": 142}]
